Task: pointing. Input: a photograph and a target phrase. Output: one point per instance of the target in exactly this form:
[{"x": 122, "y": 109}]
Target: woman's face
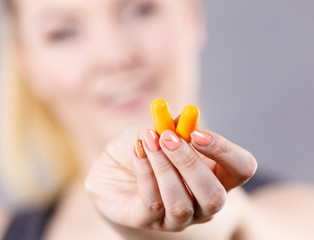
[{"x": 98, "y": 64}]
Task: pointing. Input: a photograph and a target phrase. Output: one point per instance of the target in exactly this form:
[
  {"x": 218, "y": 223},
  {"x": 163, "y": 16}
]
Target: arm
[
  {"x": 4, "y": 221},
  {"x": 283, "y": 211}
]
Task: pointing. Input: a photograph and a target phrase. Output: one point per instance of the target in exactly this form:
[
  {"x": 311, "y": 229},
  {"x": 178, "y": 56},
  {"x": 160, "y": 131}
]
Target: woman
[{"x": 84, "y": 71}]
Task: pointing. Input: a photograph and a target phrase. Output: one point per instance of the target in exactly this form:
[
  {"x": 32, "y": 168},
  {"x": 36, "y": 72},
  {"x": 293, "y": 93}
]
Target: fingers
[
  {"x": 175, "y": 196},
  {"x": 190, "y": 190},
  {"x": 235, "y": 164},
  {"x": 147, "y": 184},
  {"x": 209, "y": 193}
]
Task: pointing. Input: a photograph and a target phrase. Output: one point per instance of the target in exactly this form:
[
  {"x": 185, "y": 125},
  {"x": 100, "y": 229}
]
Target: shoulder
[
  {"x": 5, "y": 219},
  {"x": 289, "y": 205},
  {"x": 298, "y": 195}
]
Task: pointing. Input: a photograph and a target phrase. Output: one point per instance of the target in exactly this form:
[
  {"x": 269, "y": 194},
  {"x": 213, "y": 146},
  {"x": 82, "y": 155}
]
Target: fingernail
[
  {"x": 201, "y": 137},
  {"x": 170, "y": 140},
  {"x": 139, "y": 150},
  {"x": 151, "y": 140}
]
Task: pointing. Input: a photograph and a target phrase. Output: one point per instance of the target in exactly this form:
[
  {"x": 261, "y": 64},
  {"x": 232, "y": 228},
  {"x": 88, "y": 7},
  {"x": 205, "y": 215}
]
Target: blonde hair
[{"x": 37, "y": 159}]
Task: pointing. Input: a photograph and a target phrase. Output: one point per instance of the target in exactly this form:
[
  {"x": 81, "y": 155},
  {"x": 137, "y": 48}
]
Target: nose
[{"x": 114, "y": 49}]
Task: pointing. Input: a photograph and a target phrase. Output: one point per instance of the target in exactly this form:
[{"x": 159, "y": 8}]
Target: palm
[{"x": 116, "y": 180}]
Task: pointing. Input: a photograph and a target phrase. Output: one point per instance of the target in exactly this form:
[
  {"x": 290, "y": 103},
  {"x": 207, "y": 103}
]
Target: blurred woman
[{"x": 79, "y": 72}]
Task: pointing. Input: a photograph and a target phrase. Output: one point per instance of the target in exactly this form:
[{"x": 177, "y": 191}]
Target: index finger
[
  {"x": 206, "y": 188},
  {"x": 235, "y": 164}
]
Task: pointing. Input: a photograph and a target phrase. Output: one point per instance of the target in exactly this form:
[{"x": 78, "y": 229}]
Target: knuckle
[
  {"x": 89, "y": 184},
  {"x": 181, "y": 212},
  {"x": 252, "y": 164},
  {"x": 216, "y": 202},
  {"x": 155, "y": 206},
  {"x": 249, "y": 170},
  {"x": 163, "y": 168},
  {"x": 189, "y": 163},
  {"x": 222, "y": 147},
  {"x": 92, "y": 188},
  {"x": 146, "y": 175}
]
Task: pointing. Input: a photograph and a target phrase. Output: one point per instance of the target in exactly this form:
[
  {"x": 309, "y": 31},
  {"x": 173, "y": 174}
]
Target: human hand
[{"x": 176, "y": 185}]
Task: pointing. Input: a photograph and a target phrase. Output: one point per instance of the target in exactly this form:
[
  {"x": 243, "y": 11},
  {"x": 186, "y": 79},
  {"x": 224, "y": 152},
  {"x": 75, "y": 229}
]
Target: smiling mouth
[{"x": 128, "y": 98}]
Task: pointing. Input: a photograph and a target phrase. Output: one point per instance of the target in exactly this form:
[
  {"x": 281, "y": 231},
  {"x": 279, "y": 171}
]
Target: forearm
[{"x": 279, "y": 212}]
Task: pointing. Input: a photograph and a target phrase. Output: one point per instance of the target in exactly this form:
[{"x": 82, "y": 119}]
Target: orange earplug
[
  {"x": 161, "y": 116},
  {"x": 188, "y": 122}
]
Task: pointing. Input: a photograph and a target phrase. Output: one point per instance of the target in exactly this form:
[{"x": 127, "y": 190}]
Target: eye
[
  {"x": 139, "y": 10},
  {"x": 62, "y": 34},
  {"x": 144, "y": 9}
]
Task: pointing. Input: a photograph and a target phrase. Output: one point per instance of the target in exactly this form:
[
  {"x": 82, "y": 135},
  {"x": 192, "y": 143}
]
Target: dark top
[{"x": 31, "y": 225}]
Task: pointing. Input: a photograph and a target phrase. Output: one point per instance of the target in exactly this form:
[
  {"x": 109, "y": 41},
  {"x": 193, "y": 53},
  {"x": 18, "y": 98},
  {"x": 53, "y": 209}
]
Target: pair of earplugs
[{"x": 162, "y": 119}]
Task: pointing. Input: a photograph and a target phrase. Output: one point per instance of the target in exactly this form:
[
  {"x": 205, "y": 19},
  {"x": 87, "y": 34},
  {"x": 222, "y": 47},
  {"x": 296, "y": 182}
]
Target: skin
[
  {"x": 97, "y": 65},
  {"x": 107, "y": 50}
]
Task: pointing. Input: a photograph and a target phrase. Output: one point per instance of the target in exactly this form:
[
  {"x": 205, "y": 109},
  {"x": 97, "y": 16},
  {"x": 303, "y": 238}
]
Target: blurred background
[
  {"x": 258, "y": 72},
  {"x": 259, "y": 80}
]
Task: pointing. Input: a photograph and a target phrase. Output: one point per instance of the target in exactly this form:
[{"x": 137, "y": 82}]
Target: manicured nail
[
  {"x": 139, "y": 150},
  {"x": 201, "y": 137},
  {"x": 151, "y": 140},
  {"x": 170, "y": 140}
]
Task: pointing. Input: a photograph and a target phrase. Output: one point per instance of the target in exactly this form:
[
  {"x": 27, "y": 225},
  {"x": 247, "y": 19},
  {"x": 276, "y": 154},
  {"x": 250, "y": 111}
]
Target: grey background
[{"x": 259, "y": 80}]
